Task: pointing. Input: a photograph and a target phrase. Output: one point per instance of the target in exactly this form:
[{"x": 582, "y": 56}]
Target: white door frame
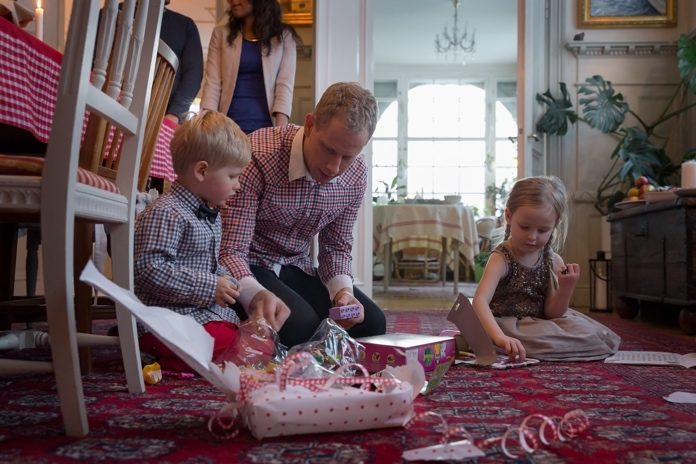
[{"x": 343, "y": 52}]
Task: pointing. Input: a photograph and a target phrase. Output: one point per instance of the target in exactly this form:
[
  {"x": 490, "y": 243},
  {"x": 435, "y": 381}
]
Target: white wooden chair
[{"x": 115, "y": 91}]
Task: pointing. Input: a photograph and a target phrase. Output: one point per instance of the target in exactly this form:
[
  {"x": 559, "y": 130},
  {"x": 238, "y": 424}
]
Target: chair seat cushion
[{"x": 14, "y": 165}]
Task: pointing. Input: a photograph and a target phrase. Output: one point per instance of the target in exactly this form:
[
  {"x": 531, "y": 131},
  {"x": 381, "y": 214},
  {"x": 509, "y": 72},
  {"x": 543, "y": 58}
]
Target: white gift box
[
  {"x": 270, "y": 412},
  {"x": 292, "y": 406}
]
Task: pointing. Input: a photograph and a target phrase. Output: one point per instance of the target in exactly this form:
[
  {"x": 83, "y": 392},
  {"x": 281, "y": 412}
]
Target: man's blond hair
[
  {"x": 209, "y": 136},
  {"x": 355, "y": 104}
]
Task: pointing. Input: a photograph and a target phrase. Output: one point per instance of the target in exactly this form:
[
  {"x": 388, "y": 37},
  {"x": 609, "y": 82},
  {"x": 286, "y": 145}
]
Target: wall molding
[{"x": 622, "y": 48}]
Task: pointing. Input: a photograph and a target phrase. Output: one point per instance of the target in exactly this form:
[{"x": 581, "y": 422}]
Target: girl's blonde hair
[
  {"x": 541, "y": 191},
  {"x": 212, "y": 137}
]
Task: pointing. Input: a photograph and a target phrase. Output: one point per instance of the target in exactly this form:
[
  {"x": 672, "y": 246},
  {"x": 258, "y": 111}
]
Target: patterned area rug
[{"x": 630, "y": 422}]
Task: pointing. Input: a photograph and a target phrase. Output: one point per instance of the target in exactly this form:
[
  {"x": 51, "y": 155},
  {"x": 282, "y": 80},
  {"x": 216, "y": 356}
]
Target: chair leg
[
  {"x": 122, "y": 257},
  {"x": 58, "y": 256},
  {"x": 83, "y": 293},
  {"x": 455, "y": 253},
  {"x": 8, "y": 256},
  {"x": 32, "y": 260}
]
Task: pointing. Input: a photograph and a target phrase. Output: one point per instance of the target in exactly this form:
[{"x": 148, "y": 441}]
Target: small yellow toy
[{"x": 152, "y": 373}]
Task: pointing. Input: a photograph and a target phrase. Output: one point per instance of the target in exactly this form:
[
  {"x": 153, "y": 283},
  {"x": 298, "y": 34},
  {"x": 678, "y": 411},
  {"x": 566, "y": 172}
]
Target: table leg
[
  {"x": 443, "y": 261},
  {"x": 386, "y": 260},
  {"x": 455, "y": 253}
]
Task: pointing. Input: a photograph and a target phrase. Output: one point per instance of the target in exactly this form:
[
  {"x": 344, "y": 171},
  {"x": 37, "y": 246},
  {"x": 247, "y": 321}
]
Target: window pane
[
  {"x": 446, "y": 153},
  {"x": 505, "y": 154},
  {"x": 386, "y": 89},
  {"x": 446, "y": 110},
  {"x": 506, "y": 109},
  {"x": 384, "y": 153},
  {"x": 380, "y": 177},
  {"x": 388, "y": 119},
  {"x": 419, "y": 181},
  {"x": 507, "y": 90}
]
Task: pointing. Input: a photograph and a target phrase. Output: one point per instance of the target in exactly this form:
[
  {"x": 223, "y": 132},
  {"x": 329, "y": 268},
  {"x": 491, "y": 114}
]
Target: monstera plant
[{"x": 640, "y": 151}]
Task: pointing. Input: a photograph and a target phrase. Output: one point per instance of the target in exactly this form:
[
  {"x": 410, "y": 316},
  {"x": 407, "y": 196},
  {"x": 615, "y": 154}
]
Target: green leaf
[
  {"x": 602, "y": 107},
  {"x": 555, "y": 120},
  {"x": 642, "y": 158},
  {"x": 686, "y": 59}
]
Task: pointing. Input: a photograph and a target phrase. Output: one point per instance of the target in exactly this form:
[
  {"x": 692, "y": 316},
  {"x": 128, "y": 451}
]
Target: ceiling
[{"x": 404, "y": 30}]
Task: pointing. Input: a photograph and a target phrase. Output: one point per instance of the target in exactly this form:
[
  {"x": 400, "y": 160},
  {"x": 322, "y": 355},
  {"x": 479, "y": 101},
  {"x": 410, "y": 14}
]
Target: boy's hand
[
  {"x": 268, "y": 306},
  {"x": 226, "y": 291},
  {"x": 345, "y": 298},
  {"x": 512, "y": 346}
]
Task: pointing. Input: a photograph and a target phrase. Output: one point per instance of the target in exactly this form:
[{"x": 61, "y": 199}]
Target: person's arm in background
[
  {"x": 190, "y": 71},
  {"x": 285, "y": 81}
]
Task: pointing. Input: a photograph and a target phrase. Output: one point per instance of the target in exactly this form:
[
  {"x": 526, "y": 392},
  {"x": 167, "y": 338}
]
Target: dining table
[
  {"x": 398, "y": 226},
  {"x": 29, "y": 74}
]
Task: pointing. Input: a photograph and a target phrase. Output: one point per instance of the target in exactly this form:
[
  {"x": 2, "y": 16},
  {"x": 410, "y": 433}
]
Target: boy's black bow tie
[{"x": 205, "y": 212}]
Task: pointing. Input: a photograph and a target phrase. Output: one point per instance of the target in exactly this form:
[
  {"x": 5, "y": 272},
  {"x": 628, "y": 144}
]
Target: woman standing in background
[{"x": 250, "y": 70}]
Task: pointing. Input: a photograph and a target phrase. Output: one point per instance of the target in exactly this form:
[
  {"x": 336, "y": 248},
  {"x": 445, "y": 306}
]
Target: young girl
[{"x": 522, "y": 299}]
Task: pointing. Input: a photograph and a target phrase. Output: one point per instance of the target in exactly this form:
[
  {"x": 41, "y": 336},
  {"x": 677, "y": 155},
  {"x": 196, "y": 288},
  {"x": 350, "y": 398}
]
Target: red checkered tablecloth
[
  {"x": 162, "y": 159},
  {"x": 29, "y": 74}
]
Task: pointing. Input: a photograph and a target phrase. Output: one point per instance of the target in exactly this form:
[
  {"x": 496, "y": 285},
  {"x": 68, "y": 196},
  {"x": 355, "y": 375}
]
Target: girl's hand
[
  {"x": 569, "y": 275},
  {"x": 226, "y": 291},
  {"x": 512, "y": 346}
]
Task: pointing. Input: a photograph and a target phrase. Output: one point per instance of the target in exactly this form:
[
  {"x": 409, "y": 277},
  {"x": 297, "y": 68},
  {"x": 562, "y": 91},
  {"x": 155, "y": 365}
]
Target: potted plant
[{"x": 639, "y": 151}]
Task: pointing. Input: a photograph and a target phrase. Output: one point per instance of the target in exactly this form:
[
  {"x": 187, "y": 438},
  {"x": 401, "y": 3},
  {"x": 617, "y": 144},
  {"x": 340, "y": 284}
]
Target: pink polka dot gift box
[{"x": 292, "y": 406}]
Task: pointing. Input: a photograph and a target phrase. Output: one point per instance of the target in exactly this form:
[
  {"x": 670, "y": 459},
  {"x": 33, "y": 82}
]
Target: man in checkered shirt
[{"x": 303, "y": 181}]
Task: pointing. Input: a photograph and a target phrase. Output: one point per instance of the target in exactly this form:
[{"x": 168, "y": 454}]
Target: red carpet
[{"x": 629, "y": 420}]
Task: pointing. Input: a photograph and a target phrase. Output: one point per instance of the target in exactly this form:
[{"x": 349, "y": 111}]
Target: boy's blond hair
[{"x": 209, "y": 136}]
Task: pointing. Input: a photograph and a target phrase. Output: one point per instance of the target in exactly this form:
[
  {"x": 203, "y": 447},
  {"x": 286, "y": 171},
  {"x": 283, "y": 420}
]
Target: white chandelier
[{"x": 459, "y": 46}]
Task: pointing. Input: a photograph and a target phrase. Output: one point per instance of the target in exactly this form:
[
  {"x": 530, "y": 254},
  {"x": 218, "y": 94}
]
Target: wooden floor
[{"x": 404, "y": 296}]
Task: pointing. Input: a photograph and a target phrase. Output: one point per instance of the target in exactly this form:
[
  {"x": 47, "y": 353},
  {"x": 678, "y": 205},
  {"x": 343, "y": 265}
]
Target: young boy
[{"x": 177, "y": 237}]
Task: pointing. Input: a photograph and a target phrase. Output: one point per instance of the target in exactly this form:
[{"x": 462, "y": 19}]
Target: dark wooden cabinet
[{"x": 653, "y": 248}]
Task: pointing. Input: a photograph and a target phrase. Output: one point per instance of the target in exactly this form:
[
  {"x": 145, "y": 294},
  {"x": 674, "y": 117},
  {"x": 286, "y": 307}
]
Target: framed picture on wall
[
  {"x": 297, "y": 12},
  {"x": 627, "y": 13}
]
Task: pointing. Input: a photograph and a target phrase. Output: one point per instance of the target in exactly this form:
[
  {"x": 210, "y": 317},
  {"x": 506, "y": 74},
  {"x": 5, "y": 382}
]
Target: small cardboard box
[
  {"x": 394, "y": 349},
  {"x": 344, "y": 312}
]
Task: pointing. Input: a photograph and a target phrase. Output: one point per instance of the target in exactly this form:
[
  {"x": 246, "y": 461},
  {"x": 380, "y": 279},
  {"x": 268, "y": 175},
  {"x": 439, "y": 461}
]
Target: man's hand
[
  {"x": 226, "y": 291},
  {"x": 268, "y": 306},
  {"x": 343, "y": 298}
]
